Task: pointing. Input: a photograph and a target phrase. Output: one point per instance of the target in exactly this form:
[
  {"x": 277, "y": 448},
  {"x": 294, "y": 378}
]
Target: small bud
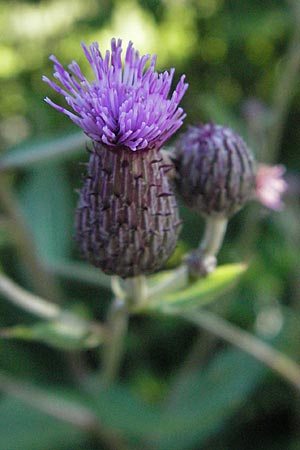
[{"x": 215, "y": 170}]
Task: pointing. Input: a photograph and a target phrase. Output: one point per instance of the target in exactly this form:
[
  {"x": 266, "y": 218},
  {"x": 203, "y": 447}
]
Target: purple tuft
[{"x": 126, "y": 106}]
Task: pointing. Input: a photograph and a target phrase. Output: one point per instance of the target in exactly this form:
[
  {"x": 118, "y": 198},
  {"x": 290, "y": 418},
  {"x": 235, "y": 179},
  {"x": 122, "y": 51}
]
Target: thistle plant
[
  {"x": 127, "y": 220},
  {"x": 127, "y": 225}
]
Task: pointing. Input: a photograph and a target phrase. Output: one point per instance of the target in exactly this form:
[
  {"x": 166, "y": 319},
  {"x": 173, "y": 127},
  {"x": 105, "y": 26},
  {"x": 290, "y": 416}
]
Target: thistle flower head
[
  {"x": 127, "y": 220},
  {"x": 270, "y": 185},
  {"x": 215, "y": 170},
  {"x": 126, "y": 105}
]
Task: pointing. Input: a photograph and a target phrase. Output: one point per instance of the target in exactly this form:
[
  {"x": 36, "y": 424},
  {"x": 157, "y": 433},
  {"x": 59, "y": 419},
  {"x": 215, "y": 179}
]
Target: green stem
[
  {"x": 117, "y": 323},
  {"x": 286, "y": 85},
  {"x": 260, "y": 350},
  {"x": 62, "y": 409},
  {"x": 43, "y": 284},
  {"x": 203, "y": 260},
  {"x": 128, "y": 294},
  {"x": 136, "y": 289},
  {"x": 215, "y": 229},
  {"x": 46, "y": 310},
  {"x": 27, "y": 301}
]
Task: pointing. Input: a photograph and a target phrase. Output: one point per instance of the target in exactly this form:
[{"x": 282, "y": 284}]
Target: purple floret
[{"x": 124, "y": 106}]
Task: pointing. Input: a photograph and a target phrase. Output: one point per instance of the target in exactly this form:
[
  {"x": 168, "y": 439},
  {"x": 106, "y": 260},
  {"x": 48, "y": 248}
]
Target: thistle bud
[
  {"x": 127, "y": 220},
  {"x": 215, "y": 170}
]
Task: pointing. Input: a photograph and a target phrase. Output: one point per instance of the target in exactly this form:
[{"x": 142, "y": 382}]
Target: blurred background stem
[
  {"x": 27, "y": 301},
  {"x": 65, "y": 410},
  {"x": 268, "y": 140},
  {"x": 249, "y": 343},
  {"x": 285, "y": 88},
  {"x": 42, "y": 282}
]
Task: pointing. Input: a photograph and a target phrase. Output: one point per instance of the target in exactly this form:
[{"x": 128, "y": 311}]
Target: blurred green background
[{"x": 241, "y": 60}]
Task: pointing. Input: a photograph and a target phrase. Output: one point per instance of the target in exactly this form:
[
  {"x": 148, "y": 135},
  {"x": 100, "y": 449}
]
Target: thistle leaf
[{"x": 201, "y": 292}]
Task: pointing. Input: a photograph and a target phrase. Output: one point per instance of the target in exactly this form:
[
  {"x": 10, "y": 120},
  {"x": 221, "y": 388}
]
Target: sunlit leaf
[
  {"x": 67, "y": 333},
  {"x": 200, "y": 292}
]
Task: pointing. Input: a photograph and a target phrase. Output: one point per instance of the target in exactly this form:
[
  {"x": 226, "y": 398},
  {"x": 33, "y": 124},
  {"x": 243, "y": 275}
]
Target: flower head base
[
  {"x": 124, "y": 106},
  {"x": 127, "y": 220},
  {"x": 270, "y": 186},
  {"x": 215, "y": 170}
]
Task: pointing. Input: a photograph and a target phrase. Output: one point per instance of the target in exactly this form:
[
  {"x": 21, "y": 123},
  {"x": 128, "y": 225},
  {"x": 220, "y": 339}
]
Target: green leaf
[
  {"x": 199, "y": 406},
  {"x": 66, "y": 333},
  {"x": 24, "y": 428},
  {"x": 201, "y": 292},
  {"x": 47, "y": 203},
  {"x": 26, "y": 155},
  {"x": 79, "y": 272},
  {"x": 120, "y": 409},
  {"x": 208, "y": 398}
]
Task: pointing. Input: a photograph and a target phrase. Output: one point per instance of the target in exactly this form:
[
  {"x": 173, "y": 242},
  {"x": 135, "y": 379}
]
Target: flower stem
[
  {"x": 128, "y": 294},
  {"x": 136, "y": 289},
  {"x": 203, "y": 260},
  {"x": 117, "y": 323},
  {"x": 215, "y": 229}
]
